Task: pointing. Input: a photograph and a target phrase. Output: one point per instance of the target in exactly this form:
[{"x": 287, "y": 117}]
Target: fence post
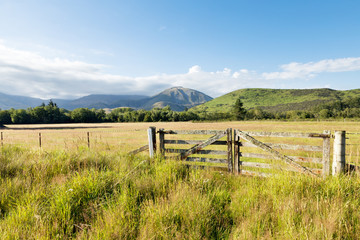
[
  {"x": 39, "y": 139},
  {"x": 230, "y": 152},
  {"x": 162, "y": 141},
  {"x": 236, "y": 153},
  {"x": 338, "y": 165},
  {"x": 88, "y": 139},
  {"x": 2, "y": 139},
  {"x": 152, "y": 140},
  {"x": 326, "y": 154}
]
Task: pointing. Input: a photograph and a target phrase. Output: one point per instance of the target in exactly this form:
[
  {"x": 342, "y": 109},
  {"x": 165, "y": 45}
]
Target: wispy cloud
[
  {"x": 101, "y": 53},
  {"x": 311, "y": 69},
  {"x": 31, "y": 74}
]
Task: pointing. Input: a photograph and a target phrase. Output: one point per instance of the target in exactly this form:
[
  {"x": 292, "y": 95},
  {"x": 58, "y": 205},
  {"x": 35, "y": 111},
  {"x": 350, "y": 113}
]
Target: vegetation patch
[{"x": 92, "y": 195}]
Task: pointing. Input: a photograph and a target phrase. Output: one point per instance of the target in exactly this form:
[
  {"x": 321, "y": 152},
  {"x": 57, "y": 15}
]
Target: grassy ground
[{"x": 80, "y": 193}]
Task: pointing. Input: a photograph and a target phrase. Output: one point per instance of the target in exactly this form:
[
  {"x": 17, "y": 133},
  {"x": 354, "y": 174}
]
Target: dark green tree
[{"x": 239, "y": 110}]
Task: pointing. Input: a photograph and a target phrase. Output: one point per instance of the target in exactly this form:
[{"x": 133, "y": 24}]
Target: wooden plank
[
  {"x": 256, "y": 164},
  {"x": 318, "y": 171},
  {"x": 236, "y": 153},
  {"x": 198, "y": 132},
  {"x": 141, "y": 149},
  {"x": 210, "y": 160},
  {"x": 326, "y": 155},
  {"x": 213, "y": 152},
  {"x": 200, "y": 146},
  {"x": 220, "y": 168},
  {"x": 288, "y": 134},
  {"x": 288, "y": 146},
  {"x": 267, "y": 156},
  {"x": 229, "y": 149},
  {"x": 193, "y": 142},
  {"x": 161, "y": 141},
  {"x": 269, "y": 166},
  {"x": 253, "y": 173},
  {"x": 275, "y": 153}
]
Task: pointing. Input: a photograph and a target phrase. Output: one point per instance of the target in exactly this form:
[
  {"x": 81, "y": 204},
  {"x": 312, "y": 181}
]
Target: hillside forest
[{"x": 51, "y": 113}]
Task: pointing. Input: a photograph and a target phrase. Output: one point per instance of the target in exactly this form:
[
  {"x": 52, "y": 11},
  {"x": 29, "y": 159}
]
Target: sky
[{"x": 72, "y": 48}]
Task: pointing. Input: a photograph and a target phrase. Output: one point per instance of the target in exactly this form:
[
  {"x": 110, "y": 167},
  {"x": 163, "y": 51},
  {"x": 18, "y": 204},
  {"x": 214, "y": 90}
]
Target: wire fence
[
  {"x": 104, "y": 139},
  {"x": 353, "y": 147}
]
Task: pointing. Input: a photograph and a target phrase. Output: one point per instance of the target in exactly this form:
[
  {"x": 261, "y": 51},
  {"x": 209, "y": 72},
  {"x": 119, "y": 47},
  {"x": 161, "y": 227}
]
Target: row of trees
[{"x": 51, "y": 113}]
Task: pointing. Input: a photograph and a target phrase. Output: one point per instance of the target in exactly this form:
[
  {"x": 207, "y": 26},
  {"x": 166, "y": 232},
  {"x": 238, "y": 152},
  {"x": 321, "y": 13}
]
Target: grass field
[{"x": 66, "y": 191}]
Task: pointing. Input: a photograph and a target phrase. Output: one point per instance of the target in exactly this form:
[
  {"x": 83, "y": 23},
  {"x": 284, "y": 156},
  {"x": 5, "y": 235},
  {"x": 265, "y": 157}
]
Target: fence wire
[
  {"x": 99, "y": 139},
  {"x": 353, "y": 147}
]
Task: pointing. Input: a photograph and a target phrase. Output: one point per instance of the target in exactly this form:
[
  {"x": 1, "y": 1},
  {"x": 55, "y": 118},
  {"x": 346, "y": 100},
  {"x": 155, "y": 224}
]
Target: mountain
[
  {"x": 99, "y": 101},
  {"x": 18, "y": 102},
  {"x": 178, "y": 98},
  {"x": 274, "y": 100}
]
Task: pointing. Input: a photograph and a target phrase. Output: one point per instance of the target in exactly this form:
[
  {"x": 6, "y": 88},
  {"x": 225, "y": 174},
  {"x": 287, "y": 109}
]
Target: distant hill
[
  {"x": 178, "y": 98},
  {"x": 99, "y": 101},
  {"x": 18, "y": 102},
  {"x": 274, "y": 100}
]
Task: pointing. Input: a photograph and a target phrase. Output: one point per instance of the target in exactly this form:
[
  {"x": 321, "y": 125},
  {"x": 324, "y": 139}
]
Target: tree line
[{"x": 51, "y": 113}]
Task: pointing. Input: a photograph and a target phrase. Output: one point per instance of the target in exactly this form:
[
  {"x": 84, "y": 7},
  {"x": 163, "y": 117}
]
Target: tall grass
[{"x": 94, "y": 195}]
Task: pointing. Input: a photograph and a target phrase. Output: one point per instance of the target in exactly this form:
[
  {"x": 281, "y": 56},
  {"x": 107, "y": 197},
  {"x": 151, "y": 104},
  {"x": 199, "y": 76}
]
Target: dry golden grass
[
  {"x": 125, "y": 137},
  {"x": 104, "y": 194}
]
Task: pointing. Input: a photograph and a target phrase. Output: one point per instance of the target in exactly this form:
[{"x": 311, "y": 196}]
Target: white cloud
[
  {"x": 31, "y": 74},
  {"x": 311, "y": 69},
  {"x": 194, "y": 69}
]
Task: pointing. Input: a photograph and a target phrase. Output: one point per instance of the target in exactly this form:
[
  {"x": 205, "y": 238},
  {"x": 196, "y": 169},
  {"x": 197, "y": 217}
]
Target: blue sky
[{"x": 67, "y": 49}]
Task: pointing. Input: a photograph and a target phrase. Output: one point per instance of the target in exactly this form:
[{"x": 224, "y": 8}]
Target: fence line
[{"x": 109, "y": 140}]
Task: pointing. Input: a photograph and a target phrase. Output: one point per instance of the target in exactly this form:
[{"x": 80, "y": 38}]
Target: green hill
[{"x": 275, "y": 100}]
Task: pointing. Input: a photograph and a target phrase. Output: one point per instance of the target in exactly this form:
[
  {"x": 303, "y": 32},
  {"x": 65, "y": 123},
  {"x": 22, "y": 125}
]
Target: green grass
[
  {"x": 276, "y": 99},
  {"x": 85, "y": 194}
]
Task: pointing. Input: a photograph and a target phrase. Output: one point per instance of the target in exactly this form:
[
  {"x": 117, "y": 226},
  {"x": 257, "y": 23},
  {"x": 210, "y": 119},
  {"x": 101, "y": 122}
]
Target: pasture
[{"x": 66, "y": 190}]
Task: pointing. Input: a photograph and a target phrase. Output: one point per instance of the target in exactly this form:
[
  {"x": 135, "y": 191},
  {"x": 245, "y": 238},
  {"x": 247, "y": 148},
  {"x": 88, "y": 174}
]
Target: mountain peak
[{"x": 178, "y": 98}]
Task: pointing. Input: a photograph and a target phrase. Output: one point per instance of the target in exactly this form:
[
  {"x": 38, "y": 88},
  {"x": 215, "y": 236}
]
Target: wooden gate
[
  {"x": 234, "y": 150},
  {"x": 198, "y": 148},
  {"x": 244, "y": 158}
]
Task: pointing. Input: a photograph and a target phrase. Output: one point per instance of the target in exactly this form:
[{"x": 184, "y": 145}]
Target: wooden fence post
[
  {"x": 338, "y": 165},
  {"x": 162, "y": 141},
  {"x": 40, "y": 140},
  {"x": 326, "y": 154},
  {"x": 229, "y": 151},
  {"x": 152, "y": 140},
  {"x": 88, "y": 139},
  {"x": 2, "y": 139},
  {"x": 236, "y": 153}
]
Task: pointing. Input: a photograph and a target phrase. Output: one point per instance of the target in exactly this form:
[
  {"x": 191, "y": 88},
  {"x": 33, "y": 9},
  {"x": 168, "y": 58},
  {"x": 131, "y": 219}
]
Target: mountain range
[{"x": 178, "y": 98}]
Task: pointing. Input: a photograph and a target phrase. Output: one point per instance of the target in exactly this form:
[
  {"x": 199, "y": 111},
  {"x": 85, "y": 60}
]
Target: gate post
[
  {"x": 230, "y": 152},
  {"x": 152, "y": 140},
  {"x": 338, "y": 165},
  {"x": 326, "y": 154},
  {"x": 162, "y": 142},
  {"x": 236, "y": 153}
]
